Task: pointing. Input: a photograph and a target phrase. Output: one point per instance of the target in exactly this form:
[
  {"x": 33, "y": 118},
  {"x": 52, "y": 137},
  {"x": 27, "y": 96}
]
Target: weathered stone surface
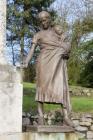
[
  {"x": 88, "y": 94},
  {"x": 83, "y": 119},
  {"x": 76, "y": 122},
  {"x": 81, "y": 135},
  {"x": 91, "y": 127},
  {"x": 25, "y": 121},
  {"x": 90, "y": 135},
  {"x": 81, "y": 129},
  {"x": 45, "y": 116},
  {"x": 86, "y": 90},
  {"x": 49, "y": 122},
  {"x": 11, "y": 91},
  {"x": 88, "y": 139},
  {"x": 10, "y": 74},
  {"x": 2, "y": 30},
  {"x": 10, "y": 86},
  {"x": 85, "y": 123},
  {"x": 53, "y": 136},
  {"x": 50, "y": 129},
  {"x": 39, "y": 136},
  {"x": 81, "y": 91},
  {"x": 10, "y": 107},
  {"x": 88, "y": 116},
  {"x": 15, "y": 136}
]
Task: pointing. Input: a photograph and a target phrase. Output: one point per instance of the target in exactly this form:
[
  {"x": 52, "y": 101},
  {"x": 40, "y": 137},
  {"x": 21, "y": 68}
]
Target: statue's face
[
  {"x": 45, "y": 21},
  {"x": 58, "y": 29}
]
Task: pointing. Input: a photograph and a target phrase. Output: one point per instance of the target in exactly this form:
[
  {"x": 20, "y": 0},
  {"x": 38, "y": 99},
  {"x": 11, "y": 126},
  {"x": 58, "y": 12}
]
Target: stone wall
[
  {"x": 83, "y": 123},
  {"x": 81, "y": 91},
  {"x": 84, "y": 126}
]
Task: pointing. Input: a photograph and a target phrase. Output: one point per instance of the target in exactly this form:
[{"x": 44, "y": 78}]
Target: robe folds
[{"x": 51, "y": 70}]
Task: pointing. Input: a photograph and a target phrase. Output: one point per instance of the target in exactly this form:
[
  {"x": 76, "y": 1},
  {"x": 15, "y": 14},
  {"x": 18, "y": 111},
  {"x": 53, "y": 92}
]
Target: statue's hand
[{"x": 65, "y": 56}]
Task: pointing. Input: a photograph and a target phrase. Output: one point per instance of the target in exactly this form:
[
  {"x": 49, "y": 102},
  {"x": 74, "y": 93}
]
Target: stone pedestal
[
  {"x": 2, "y": 31},
  {"x": 10, "y": 100},
  {"x": 49, "y": 129},
  {"x": 10, "y": 86},
  {"x": 39, "y": 136},
  {"x": 53, "y": 136},
  {"x": 51, "y": 133}
]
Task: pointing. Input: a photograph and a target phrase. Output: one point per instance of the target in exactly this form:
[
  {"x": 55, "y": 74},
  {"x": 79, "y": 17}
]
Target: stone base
[
  {"x": 10, "y": 74},
  {"x": 11, "y": 91},
  {"x": 39, "y": 136},
  {"x": 49, "y": 129}
]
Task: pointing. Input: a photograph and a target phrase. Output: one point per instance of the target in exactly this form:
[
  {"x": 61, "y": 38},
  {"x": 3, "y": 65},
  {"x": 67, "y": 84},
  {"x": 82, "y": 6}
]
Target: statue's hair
[{"x": 44, "y": 14}]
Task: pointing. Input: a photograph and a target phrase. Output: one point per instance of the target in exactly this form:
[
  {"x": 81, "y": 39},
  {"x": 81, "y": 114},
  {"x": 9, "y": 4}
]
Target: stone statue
[{"x": 51, "y": 69}]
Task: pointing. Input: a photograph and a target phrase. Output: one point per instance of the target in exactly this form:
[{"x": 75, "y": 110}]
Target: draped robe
[{"x": 51, "y": 70}]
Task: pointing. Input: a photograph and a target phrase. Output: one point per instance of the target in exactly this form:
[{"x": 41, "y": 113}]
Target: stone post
[
  {"x": 2, "y": 30},
  {"x": 10, "y": 86}
]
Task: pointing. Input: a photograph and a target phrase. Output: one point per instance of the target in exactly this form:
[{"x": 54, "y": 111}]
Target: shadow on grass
[{"x": 29, "y": 103}]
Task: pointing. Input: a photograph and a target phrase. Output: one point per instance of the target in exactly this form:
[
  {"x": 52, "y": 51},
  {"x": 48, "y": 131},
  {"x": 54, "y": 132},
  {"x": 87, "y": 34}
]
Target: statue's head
[
  {"x": 58, "y": 29},
  {"x": 45, "y": 19}
]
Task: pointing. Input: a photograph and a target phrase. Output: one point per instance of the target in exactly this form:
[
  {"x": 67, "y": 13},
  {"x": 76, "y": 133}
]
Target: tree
[
  {"x": 86, "y": 75},
  {"x": 76, "y": 19},
  {"x": 22, "y": 20},
  {"x": 79, "y": 49}
]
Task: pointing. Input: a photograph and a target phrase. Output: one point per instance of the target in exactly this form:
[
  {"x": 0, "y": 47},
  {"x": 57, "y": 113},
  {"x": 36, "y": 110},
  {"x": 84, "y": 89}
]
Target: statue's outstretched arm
[{"x": 30, "y": 54}]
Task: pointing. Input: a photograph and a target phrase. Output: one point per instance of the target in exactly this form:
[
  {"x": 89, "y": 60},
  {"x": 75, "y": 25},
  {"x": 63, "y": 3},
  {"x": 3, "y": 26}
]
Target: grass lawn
[
  {"x": 82, "y": 104},
  {"x": 79, "y": 104}
]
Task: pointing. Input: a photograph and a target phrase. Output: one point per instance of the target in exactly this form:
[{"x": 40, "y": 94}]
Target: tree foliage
[
  {"x": 81, "y": 50},
  {"x": 22, "y": 23},
  {"x": 22, "y": 20},
  {"x": 86, "y": 75}
]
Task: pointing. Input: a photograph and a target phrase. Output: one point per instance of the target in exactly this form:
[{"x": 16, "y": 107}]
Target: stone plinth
[
  {"x": 2, "y": 30},
  {"x": 40, "y": 136},
  {"x": 10, "y": 100},
  {"x": 49, "y": 129},
  {"x": 10, "y": 85},
  {"x": 15, "y": 136}
]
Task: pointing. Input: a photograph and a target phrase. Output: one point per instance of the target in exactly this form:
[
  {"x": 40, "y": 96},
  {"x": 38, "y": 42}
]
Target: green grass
[
  {"x": 79, "y": 104},
  {"x": 28, "y": 85},
  {"x": 82, "y": 104},
  {"x": 29, "y": 103}
]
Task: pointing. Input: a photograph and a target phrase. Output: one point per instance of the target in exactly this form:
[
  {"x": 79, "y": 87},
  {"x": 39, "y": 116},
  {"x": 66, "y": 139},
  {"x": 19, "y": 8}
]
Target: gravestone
[{"x": 10, "y": 85}]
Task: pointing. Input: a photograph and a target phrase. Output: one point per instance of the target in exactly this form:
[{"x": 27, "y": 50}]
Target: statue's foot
[
  {"x": 68, "y": 122},
  {"x": 41, "y": 120}
]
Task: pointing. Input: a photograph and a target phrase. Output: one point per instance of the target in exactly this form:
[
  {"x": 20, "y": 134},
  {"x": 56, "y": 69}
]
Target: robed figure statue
[{"x": 51, "y": 68}]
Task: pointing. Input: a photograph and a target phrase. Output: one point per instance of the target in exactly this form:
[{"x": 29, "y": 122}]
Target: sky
[{"x": 73, "y": 8}]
